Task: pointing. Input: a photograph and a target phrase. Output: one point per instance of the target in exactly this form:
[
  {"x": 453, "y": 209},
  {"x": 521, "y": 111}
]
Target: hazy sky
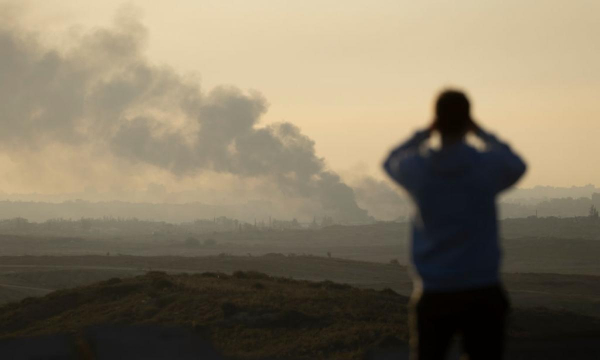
[{"x": 359, "y": 76}]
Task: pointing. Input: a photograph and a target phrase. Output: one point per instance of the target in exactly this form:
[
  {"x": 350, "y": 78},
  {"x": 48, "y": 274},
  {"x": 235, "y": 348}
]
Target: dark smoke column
[{"x": 103, "y": 91}]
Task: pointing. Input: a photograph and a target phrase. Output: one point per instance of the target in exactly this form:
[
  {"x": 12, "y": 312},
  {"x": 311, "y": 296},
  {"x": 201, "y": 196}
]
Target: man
[{"x": 455, "y": 251}]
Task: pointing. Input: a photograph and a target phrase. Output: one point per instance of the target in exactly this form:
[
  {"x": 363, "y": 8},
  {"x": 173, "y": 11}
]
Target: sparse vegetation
[
  {"x": 251, "y": 315},
  {"x": 265, "y": 300},
  {"x": 247, "y": 315}
]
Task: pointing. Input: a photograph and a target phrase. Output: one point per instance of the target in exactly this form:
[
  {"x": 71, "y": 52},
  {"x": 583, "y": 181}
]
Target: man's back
[
  {"x": 455, "y": 249},
  {"x": 455, "y": 237}
]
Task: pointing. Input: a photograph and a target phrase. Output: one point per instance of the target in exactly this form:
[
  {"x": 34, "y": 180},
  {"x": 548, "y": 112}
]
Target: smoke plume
[{"x": 102, "y": 90}]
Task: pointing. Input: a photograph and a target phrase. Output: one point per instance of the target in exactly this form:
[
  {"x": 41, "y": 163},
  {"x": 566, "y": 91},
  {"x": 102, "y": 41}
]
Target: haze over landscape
[
  {"x": 117, "y": 111},
  {"x": 216, "y": 166}
]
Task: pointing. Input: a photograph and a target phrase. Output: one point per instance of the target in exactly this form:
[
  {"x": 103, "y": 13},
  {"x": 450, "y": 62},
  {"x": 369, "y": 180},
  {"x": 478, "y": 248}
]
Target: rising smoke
[{"x": 102, "y": 90}]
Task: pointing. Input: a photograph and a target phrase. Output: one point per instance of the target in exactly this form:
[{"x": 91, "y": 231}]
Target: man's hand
[{"x": 474, "y": 127}]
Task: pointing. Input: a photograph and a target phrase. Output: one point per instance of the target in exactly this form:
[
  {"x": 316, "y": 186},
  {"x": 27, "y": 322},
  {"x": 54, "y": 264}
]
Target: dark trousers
[{"x": 477, "y": 315}]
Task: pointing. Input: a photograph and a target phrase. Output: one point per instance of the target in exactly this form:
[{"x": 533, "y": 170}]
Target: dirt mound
[
  {"x": 250, "y": 315},
  {"x": 244, "y": 315}
]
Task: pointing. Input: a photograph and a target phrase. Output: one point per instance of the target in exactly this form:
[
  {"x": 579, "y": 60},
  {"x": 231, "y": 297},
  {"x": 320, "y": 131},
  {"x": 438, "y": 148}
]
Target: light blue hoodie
[{"x": 455, "y": 232}]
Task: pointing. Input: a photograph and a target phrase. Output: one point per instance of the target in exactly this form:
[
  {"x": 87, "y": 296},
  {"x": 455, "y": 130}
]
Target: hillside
[
  {"x": 23, "y": 276},
  {"x": 246, "y": 315},
  {"x": 250, "y": 315}
]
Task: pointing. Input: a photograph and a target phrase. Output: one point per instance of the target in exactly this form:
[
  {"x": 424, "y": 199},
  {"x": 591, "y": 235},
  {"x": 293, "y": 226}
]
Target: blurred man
[{"x": 455, "y": 251}]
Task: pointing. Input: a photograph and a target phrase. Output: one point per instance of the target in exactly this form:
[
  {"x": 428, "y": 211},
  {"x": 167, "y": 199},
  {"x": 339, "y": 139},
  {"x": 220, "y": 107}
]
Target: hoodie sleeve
[
  {"x": 506, "y": 167},
  {"x": 403, "y": 163}
]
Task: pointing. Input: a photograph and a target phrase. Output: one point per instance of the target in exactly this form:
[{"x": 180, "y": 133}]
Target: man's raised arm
[
  {"x": 507, "y": 167},
  {"x": 401, "y": 163}
]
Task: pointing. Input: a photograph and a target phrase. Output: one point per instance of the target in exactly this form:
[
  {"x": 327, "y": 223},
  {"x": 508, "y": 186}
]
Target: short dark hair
[{"x": 453, "y": 112}]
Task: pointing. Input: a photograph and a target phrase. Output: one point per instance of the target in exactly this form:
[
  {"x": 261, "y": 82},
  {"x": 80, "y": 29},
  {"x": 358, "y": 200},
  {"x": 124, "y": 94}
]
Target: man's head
[{"x": 452, "y": 111}]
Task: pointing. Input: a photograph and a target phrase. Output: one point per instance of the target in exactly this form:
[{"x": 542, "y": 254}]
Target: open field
[
  {"x": 554, "y": 284},
  {"x": 524, "y": 249},
  {"x": 577, "y": 293}
]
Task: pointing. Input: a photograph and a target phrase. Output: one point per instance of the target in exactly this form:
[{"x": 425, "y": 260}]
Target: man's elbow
[
  {"x": 386, "y": 167},
  {"x": 516, "y": 171},
  {"x": 389, "y": 167},
  {"x": 521, "y": 168}
]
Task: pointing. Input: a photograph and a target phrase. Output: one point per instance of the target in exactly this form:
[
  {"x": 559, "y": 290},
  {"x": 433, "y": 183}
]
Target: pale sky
[{"x": 359, "y": 76}]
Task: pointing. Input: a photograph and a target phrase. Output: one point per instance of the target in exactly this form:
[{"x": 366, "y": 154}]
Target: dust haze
[
  {"x": 114, "y": 167},
  {"x": 96, "y": 116}
]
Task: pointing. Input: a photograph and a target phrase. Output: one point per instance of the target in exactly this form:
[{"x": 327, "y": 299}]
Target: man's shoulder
[{"x": 417, "y": 159}]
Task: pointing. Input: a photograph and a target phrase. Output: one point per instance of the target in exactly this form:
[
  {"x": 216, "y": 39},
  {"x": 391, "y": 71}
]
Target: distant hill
[{"x": 550, "y": 192}]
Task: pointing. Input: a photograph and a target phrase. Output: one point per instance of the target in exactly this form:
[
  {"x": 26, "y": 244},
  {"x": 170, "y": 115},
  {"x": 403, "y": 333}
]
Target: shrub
[
  {"x": 112, "y": 281},
  {"x": 209, "y": 242},
  {"x": 229, "y": 309},
  {"x": 330, "y": 285},
  {"x": 250, "y": 275},
  {"x": 215, "y": 275},
  {"x": 389, "y": 291},
  {"x": 191, "y": 242}
]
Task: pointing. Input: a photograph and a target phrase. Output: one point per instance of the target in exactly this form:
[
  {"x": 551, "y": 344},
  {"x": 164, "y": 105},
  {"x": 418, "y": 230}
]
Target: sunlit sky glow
[{"x": 359, "y": 76}]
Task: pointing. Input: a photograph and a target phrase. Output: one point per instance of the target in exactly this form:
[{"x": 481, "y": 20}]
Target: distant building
[
  {"x": 593, "y": 212},
  {"x": 596, "y": 199}
]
